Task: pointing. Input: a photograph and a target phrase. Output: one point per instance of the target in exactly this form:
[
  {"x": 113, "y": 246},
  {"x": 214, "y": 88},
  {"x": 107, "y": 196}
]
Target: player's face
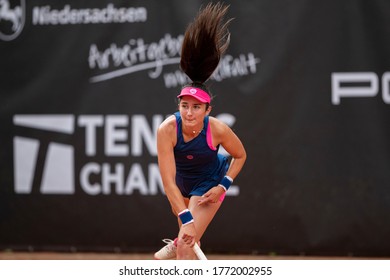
[{"x": 192, "y": 111}]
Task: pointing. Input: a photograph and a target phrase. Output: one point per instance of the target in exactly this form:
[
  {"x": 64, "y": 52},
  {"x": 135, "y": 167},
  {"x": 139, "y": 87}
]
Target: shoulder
[
  {"x": 166, "y": 136},
  {"x": 167, "y": 129},
  {"x": 169, "y": 124},
  {"x": 218, "y": 126},
  {"x": 219, "y": 130}
]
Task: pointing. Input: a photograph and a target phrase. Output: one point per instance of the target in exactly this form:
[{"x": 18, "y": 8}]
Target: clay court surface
[{"x": 125, "y": 256}]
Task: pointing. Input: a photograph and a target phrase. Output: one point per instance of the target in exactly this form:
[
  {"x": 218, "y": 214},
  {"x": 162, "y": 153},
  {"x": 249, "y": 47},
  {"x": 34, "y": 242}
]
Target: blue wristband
[
  {"x": 186, "y": 217},
  {"x": 226, "y": 182}
]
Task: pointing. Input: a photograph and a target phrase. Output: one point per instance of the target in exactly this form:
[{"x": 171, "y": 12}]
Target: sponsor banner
[
  {"x": 123, "y": 138},
  {"x": 84, "y": 87}
]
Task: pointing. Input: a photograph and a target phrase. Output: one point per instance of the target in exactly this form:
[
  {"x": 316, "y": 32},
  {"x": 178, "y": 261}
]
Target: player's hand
[
  {"x": 188, "y": 234},
  {"x": 212, "y": 196}
]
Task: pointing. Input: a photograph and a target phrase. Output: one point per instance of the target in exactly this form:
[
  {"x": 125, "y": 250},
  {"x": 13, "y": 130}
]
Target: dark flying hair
[{"x": 205, "y": 40}]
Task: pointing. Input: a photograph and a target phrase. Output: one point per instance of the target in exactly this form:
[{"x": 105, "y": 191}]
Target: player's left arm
[{"x": 225, "y": 136}]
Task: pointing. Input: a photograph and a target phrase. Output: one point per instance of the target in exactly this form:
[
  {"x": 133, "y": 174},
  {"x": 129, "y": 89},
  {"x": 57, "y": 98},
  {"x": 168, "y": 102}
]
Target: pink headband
[{"x": 197, "y": 93}]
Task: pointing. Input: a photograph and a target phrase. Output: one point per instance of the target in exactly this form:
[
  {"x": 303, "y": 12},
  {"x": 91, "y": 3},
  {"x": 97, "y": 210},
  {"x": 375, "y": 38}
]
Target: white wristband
[{"x": 222, "y": 186}]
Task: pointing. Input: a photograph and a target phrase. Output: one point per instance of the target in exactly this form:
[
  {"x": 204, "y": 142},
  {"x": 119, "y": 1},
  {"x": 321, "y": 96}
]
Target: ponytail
[{"x": 206, "y": 39}]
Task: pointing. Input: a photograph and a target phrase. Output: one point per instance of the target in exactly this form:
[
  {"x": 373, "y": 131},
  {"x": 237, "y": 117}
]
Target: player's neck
[{"x": 191, "y": 132}]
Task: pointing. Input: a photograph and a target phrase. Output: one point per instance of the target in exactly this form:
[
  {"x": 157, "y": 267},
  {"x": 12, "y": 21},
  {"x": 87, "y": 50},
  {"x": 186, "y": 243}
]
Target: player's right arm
[{"x": 166, "y": 141}]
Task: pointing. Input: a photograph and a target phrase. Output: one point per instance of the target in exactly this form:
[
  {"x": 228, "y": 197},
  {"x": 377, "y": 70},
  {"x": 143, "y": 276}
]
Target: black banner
[{"x": 305, "y": 85}]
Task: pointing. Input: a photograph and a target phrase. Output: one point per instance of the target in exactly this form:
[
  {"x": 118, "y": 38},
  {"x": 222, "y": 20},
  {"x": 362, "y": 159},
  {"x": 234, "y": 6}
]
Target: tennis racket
[{"x": 198, "y": 252}]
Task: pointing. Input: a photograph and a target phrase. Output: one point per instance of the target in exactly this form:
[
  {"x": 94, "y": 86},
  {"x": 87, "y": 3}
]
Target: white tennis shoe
[{"x": 168, "y": 252}]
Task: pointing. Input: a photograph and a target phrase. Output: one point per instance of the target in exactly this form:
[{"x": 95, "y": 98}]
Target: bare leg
[{"x": 203, "y": 215}]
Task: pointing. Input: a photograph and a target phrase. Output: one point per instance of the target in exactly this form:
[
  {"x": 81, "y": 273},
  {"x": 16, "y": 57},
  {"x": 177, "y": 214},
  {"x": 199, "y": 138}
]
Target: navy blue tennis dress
[{"x": 199, "y": 167}]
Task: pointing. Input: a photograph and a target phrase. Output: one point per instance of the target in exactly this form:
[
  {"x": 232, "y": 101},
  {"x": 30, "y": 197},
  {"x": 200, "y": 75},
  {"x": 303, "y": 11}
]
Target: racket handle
[{"x": 198, "y": 252}]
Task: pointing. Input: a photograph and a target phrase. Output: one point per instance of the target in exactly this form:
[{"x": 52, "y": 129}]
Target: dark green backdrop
[{"x": 84, "y": 84}]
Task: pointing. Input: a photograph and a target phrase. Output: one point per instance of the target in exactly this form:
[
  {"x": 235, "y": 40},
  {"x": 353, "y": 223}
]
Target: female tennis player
[{"x": 194, "y": 175}]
